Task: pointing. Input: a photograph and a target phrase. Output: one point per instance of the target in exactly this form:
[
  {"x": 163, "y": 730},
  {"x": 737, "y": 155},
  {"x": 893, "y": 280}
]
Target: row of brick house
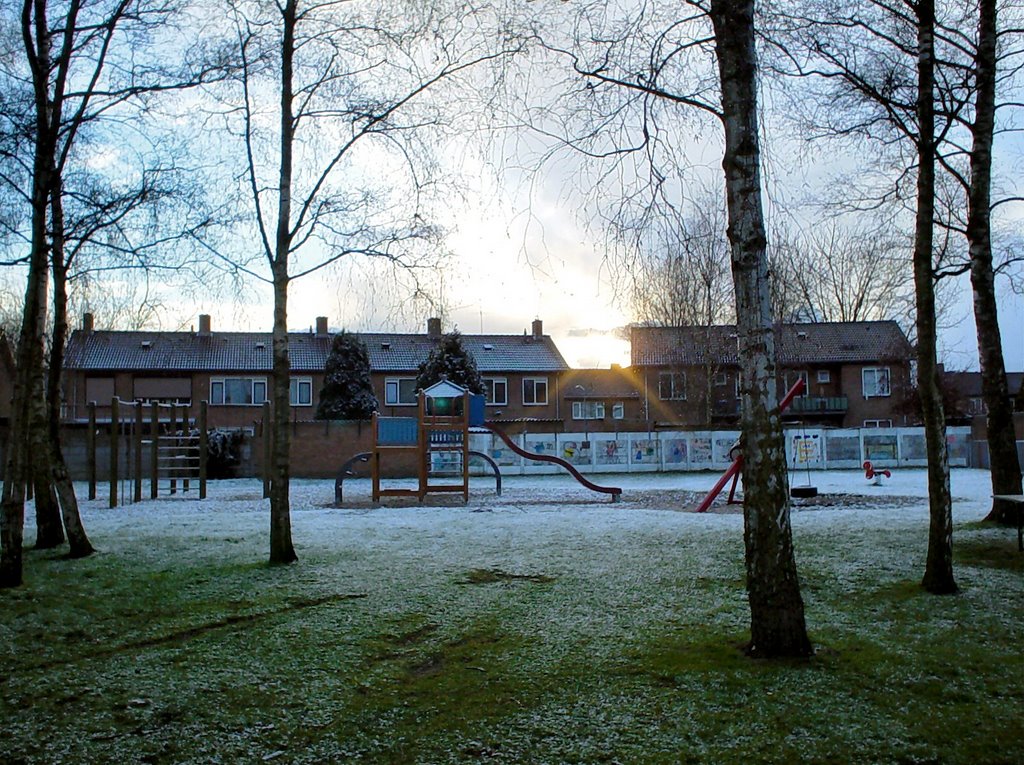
[{"x": 857, "y": 374}]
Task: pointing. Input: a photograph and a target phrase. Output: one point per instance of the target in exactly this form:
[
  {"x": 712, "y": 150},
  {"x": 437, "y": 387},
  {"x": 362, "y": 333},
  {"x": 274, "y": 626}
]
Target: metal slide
[{"x": 613, "y": 490}]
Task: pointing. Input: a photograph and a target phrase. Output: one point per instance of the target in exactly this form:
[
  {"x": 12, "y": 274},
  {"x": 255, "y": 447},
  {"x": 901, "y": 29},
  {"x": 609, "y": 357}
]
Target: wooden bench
[{"x": 1019, "y": 500}]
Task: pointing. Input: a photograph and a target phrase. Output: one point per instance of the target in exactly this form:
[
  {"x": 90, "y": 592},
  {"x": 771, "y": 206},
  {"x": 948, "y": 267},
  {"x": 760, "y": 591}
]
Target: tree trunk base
[
  {"x": 78, "y": 551},
  {"x": 940, "y": 585},
  {"x": 782, "y": 649},
  {"x": 283, "y": 558},
  {"x": 49, "y": 542},
  {"x": 10, "y": 572}
]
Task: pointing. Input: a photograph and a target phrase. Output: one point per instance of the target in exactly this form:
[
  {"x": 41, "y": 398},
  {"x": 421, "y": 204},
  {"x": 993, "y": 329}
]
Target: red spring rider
[{"x": 875, "y": 476}]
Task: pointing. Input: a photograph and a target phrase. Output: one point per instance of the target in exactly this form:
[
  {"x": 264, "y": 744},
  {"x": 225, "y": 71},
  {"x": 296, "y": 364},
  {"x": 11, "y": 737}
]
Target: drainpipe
[{"x": 647, "y": 406}]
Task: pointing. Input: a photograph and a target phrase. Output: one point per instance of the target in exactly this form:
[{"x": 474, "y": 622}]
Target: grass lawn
[{"x": 541, "y": 627}]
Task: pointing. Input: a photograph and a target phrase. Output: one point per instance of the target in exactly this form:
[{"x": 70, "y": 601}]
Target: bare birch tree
[
  {"x": 338, "y": 105},
  {"x": 84, "y": 64},
  {"x": 876, "y": 64},
  {"x": 638, "y": 73},
  {"x": 975, "y": 106}
]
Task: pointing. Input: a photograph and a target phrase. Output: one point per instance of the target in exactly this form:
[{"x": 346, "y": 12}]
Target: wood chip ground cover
[{"x": 546, "y": 625}]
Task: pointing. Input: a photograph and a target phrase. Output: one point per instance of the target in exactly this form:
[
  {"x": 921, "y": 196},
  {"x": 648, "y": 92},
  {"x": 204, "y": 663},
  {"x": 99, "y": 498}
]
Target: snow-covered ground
[{"x": 534, "y": 505}]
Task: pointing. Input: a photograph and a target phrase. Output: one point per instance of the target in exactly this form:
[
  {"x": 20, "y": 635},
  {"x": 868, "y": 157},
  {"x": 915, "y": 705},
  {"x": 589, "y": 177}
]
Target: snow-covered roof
[
  {"x": 307, "y": 352},
  {"x": 845, "y": 342}
]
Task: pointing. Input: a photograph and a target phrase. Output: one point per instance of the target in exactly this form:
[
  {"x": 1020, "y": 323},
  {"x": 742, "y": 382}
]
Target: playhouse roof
[{"x": 444, "y": 389}]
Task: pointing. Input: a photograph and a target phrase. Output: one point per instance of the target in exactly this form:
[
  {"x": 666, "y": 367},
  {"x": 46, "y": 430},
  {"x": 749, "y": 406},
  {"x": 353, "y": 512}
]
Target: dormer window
[
  {"x": 386, "y": 346},
  {"x": 146, "y": 344},
  {"x": 488, "y": 347}
]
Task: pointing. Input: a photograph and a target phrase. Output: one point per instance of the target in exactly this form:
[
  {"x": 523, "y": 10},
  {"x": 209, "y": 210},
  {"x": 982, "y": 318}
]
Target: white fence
[{"x": 709, "y": 450}]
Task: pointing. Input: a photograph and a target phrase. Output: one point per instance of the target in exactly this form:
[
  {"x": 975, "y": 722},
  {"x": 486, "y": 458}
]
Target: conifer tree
[
  {"x": 347, "y": 393},
  {"x": 452, "y": 361}
]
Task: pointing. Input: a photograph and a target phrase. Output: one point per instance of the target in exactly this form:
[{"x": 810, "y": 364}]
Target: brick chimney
[
  {"x": 433, "y": 327},
  {"x": 538, "y": 329},
  {"x": 321, "y": 326},
  {"x": 204, "y": 324},
  {"x": 87, "y": 322}
]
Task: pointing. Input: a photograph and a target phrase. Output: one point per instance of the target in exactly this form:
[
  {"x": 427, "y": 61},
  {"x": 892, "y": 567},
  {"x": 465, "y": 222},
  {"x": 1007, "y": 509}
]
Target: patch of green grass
[
  {"x": 494, "y": 575},
  {"x": 627, "y": 648},
  {"x": 991, "y": 552}
]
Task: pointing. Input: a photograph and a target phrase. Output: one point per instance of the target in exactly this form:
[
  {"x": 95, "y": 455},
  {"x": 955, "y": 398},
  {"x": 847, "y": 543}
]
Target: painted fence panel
[
  {"x": 644, "y": 452},
  {"x": 806, "y": 449},
  {"x": 843, "y": 449}
]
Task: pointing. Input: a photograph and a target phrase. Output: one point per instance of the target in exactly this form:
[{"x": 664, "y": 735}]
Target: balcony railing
[{"x": 819, "y": 405}]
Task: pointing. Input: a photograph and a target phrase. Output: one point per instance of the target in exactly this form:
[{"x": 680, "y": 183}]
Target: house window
[
  {"x": 300, "y": 391},
  {"x": 163, "y": 390},
  {"x": 672, "y": 386},
  {"x": 496, "y": 391},
  {"x": 400, "y": 391},
  {"x": 618, "y": 411},
  {"x": 791, "y": 379},
  {"x": 721, "y": 379},
  {"x": 875, "y": 381},
  {"x": 877, "y": 423},
  {"x": 535, "y": 391},
  {"x": 824, "y": 376},
  {"x": 99, "y": 389},
  {"x": 238, "y": 391},
  {"x": 588, "y": 410}
]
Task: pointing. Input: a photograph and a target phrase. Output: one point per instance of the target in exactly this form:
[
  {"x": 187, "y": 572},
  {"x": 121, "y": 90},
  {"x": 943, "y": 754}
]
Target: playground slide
[{"x": 511, "y": 444}]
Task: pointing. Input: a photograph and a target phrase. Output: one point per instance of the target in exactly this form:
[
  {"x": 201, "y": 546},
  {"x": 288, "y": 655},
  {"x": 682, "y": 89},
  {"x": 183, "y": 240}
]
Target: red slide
[{"x": 613, "y": 490}]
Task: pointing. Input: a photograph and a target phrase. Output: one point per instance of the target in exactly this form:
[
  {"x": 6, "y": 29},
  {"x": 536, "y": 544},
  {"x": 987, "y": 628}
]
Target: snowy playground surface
[{"x": 537, "y": 505}]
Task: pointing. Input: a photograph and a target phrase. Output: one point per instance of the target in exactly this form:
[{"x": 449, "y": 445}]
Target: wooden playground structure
[
  {"x": 176, "y": 446},
  {"x": 438, "y": 438}
]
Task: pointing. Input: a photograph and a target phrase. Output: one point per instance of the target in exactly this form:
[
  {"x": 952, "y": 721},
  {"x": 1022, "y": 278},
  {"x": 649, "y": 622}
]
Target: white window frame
[
  {"x": 534, "y": 400},
  {"x": 875, "y": 393},
  {"x": 618, "y": 410},
  {"x": 674, "y": 394},
  {"x": 884, "y": 423},
  {"x": 588, "y": 410},
  {"x": 295, "y": 386},
  {"x": 721, "y": 379},
  {"x": 256, "y": 384},
  {"x": 491, "y": 386},
  {"x": 824, "y": 376},
  {"x": 393, "y": 391},
  {"x": 792, "y": 375}
]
